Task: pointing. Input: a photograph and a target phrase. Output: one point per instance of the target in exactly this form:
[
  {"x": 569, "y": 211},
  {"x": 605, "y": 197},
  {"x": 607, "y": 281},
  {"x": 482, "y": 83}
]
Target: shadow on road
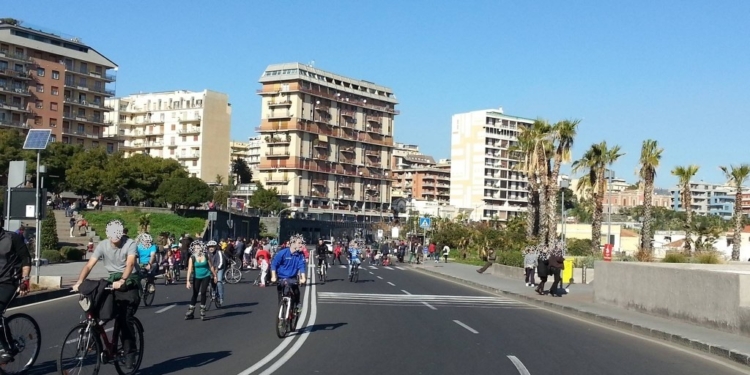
[
  {"x": 236, "y": 305},
  {"x": 48, "y": 367},
  {"x": 229, "y": 314},
  {"x": 181, "y": 303},
  {"x": 365, "y": 281},
  {"x": 178, "y": 364},
  {"x": 324, "y": 327}
]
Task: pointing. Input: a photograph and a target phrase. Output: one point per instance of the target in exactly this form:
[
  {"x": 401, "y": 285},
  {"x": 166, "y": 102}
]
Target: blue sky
[{"x": 673, "y": 71}]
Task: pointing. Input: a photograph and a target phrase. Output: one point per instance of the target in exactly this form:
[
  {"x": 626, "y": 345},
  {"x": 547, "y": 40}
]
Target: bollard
[{"x": 583, "y": 275}]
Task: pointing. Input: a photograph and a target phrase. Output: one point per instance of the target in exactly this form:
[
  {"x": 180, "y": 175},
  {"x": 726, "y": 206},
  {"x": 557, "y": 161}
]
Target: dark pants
[
  {"x": 7, "y": 291},
  {"x": 199, "y": 286},
  {"x": 295, "y": 291},
  {"x": 446, "y": 258},
  {"x": 485, "y": 267},
  {"x": 557, "y": 282},
  {"x": 530, "y": 275},
  {"x": 126, "y": 304}
]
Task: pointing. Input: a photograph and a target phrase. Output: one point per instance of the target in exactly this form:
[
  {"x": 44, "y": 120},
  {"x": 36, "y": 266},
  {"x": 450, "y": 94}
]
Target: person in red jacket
[
  {"x": 431, "y": 249},
  {"x": 336, "y": 254}
]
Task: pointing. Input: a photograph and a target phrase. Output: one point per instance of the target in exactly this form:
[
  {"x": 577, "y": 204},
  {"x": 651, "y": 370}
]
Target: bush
[
  {"x": 513, "y": 258},
  {"x": 709, "y": 257},
  {"x": 53, "y": 256},
  {"x": 588, "y": 261},
  {"x": 578, "y": 247},
  {"x": 49, "y": 231},
  {"x": 674, "y": 257},
  {"x": 71, "y": 253},
  {"x": 267, "y": 234}
]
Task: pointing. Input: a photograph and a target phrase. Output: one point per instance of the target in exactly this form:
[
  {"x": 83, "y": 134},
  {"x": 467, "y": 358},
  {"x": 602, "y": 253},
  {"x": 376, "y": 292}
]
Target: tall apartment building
[
  {"x": 56, "y": 83},
  {"x": 247, "y": 151},
  {"x": 707, "y": 199},
  {"x": 420, "y": 177},
  {"x": 191, "y": 127},
  {"x": 327, "y": 139},
  {"x": 483, "y": 175}
]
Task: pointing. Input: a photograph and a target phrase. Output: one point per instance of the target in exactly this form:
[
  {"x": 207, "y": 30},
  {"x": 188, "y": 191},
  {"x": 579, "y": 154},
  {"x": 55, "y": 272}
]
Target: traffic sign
[
  {"x": 425, "y": 222},
  {"x": 394, "y": 232},
  {"x": 211, "y": 215},
  {"x": 380, "y": 233}
]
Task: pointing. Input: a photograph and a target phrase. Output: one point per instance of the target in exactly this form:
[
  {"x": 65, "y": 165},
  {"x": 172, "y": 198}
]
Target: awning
[{"x": 323, "y": 138}]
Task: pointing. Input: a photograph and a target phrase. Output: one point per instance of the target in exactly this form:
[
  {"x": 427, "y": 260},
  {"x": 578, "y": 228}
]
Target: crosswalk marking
[
  {"x": 373, "y": 267},
  {"x": 388, "y": 268},
  {"x": 400, "y": 268},
  {"x": 418, "y": 299}
]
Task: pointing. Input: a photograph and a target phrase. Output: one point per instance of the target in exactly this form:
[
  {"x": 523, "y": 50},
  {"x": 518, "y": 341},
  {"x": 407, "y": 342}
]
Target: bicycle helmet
[
  {"x": 211, "y": 243},
  {"x": 144, "y": 239}
]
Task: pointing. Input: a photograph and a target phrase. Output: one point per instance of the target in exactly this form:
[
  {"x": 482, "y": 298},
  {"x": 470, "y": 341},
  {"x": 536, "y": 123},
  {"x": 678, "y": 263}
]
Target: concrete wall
[
  {"x": 519, "y": 273},
  {"x": 714, "y": 296}
]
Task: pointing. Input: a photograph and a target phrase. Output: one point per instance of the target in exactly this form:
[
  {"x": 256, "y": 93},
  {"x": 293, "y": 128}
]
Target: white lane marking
[
  {"x": 472, "y": 330},
  {"x": 165, "y": 309},
  {"x": 74, "y": 340},
  {"x": 302, "y": 338},
  {"x": 287, "y": 340},
  {"x": 519, "y": 365},
  {"x": 371, "y": 273},
  {"x": 373, "y": 267},
  {"x": 405, "y": 292},
  {"x": 391, "y": 284},
  {"x": 380, "y": 278},
  {"x": 388, "y": 268},
  {"x": 400, "y": 268},
  {"x": 428, "y": 305},
  {"x": 343, "y": 266}
]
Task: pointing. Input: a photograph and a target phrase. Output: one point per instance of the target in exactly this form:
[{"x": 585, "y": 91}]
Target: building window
[
  {"x": 55, "y": 74},
  {"x": 195, "y": 163},
  {"x": 53, "y": 106},
  {"x": 37, "y": 120},
  {"x": 94, "y": 144},
  {"x": 173, "y": 127},
  {"x": 40, "y": 72},
  {"x": 81, "y": 128},
  {"x": 195, "y": 138},
  {"x": 55, "y": 91},
  {"x": 39, "y": 88},
  {"x": 53, "y": 138},
  {"x": 171, "y": 151},
  {"x": 110, "y": 148},
  {"x": 39, "y": 104},
  {"x": 184, "y": 139},
  {"x": 53, "y": 123}
]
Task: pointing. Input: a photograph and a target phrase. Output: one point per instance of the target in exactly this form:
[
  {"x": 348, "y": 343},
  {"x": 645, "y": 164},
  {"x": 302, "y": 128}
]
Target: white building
[
  {"x": 192, "y": 127},
  {"x": 483, "y": 176}
]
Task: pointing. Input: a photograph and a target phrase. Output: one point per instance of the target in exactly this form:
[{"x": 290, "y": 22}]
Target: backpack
[{"x": 96, "y": 299}]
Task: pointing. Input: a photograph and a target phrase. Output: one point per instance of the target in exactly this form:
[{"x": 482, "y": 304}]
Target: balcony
[
  {"x": 372, "y": 198},
  {"x": 194, "y": 130},
  {"x": 188, "y": 156},
  {"x": 15, "y": 90},
  {"x": 82, "y": 134},
  {"x": 172, "y": 144},
  {"x": 194, "y": 120},
  {"x": 7, "y": 55},
  {"x": 99, "y": 120},
  {"x": 308, "y": 127},
  {"x": 373, "y": 119},
  {"x": 280, "y": 103},
  {"x": 317, "y": 143},
  {"x": 319, "y": 194},
  {"x": 346, "y": 185},
  {"x": 320, "y": 182},
  {"x": 372, "y": 153},
  {"x": 13, "y": 124},
  {"x": 347, "y": 149},
  {"x": 279, "y": 114},
  {"x": 374, "y": 164},
  {"x": 102, "y": 90},
  {"x": 17, "y": 107},
  {"x": 89, "y": 73},
  {"x": 278, "y": 139},
  {"x": 322, "y": 108},
  {"x": 277, "y": 154},
  {"x": 84, "y": 103},
  {"x": 342, "y": 99},
  {"x": 348, "y": 113},
  {"x": 133, "y": 110},
  {"x": 17, "y": 74},
  {"x": 347, "y": 160}
]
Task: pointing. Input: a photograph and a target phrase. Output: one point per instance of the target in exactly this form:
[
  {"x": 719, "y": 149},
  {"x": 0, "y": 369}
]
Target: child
[
  {"x": 168, "y": 264},
  {"x": 90, "y": 246},
  {"x": 263, "y": 270}
]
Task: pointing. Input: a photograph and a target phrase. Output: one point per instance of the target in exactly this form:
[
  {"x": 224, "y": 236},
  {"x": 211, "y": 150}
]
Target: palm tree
[
  {"x": 685, "y": 174},
  {"x": 594, "y": 163},
  {"x": 650, "y": 158},
  {"x": 736, "y": 176},
  {"x": 542, "y": 146},
  {"x": 525, "y": 152},
  {"x": 563, "y": 134}
]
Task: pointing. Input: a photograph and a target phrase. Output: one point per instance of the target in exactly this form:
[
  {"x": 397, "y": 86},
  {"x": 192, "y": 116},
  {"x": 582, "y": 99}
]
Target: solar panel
[{"x": 37, "y": 139}]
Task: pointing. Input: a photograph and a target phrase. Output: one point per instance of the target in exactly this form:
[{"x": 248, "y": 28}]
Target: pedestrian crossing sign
[{"x": 425, "y": 222}]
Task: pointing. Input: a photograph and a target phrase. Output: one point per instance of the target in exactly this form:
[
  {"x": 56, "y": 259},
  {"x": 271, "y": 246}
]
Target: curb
[
  {"x": 40, "y": 297},
  {"x": 732, "y": 355}
]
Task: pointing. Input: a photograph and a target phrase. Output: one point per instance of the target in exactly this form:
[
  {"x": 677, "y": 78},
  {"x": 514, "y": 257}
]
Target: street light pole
[
  {"x": 610, "y": 175},
  {"x": 563, "y": 185}
]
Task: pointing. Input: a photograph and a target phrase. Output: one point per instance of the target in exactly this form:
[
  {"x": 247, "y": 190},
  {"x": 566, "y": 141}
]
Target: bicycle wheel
[
  {"x": 233, "y": 275},
  {"x": 137, "y": 353},
  {"x": 148, "y": 295},
  {"x": 281, "y": 319},
  {"x": 81, "y": 352},
  {"x": 356, "y": 274},
  {"x": 26, "y": 341}
]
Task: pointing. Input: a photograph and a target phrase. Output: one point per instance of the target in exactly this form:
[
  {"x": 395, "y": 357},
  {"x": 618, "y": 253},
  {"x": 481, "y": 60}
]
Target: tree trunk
[
  {"x": 531, "y": 211},
  {"x": 687, "y": 204},
  {"x": 737, "y": 224},
  {"x": 648, "y": 193},
  {"x": 552, "y": 194},
  {"x": 542, "y": 210},
  {"x": 596, "y": 220}
]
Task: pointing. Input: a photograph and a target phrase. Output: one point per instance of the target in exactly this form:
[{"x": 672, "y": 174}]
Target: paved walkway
[
  {"x": 70, "y": 272},
  {"x": 580, "y": 301}
]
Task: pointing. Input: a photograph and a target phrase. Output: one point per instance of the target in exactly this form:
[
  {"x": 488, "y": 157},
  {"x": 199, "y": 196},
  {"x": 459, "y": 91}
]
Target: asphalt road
[{"x": 394, "y": 320}]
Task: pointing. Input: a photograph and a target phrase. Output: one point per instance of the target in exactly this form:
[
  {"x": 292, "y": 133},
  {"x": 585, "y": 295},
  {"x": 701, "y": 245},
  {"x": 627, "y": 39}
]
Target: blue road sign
[{"x": 425, "y": 222}]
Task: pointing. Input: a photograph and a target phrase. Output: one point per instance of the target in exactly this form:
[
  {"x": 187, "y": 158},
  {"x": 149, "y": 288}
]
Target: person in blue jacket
[{"x": 287, "y": 265}]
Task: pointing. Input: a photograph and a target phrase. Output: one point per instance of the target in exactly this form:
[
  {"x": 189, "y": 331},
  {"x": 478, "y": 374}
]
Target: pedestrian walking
[
  {"x": 556, "y": 265},
  {"x": 530, "y": 261},
  {"x": 446, "y": 252},
  {"x": 542, "y": 269},
  {"x": 491, "y": 257},
  {"x": 72, "y": 226}
]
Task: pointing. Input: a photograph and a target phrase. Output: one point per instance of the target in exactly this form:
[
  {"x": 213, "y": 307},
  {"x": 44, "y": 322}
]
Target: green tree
[
  {"x": 563, "y": 135},
  {"x": 86, "y": 176},
  {"x": 266, "y": 200},
  {"x": 222, "y": 194},
  {"x": 570, "y": 199},
  {"x": 242, "y": 171},
  {"x": 737, "y": 175},
  {"x": 685, "y": 174},
  {"x": 650, "y": 159},
  {"x": 184, "y": 191},
  {"x": 58, "y": 159},
  {"x": 11, "y": 148},
  {"x": 49, "y": 231},
  {"x": 137, "y": 178}
]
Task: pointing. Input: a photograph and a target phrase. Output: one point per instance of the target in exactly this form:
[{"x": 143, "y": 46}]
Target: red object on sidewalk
[{"x": 608, "y": 252}]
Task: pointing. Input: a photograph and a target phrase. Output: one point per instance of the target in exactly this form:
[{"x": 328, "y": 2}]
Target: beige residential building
[
  {"x": 52, "y": 82},
  {"x": 248, "y": 151},
  {"x": 420, "y": 177},
  {"x": 191, "y": 127},
  {"x": 327, "y": 139},
  {"x": 483, "y": 174}
]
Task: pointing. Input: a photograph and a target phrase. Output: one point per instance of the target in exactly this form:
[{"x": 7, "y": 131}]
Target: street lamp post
[
  {"x": 609, "y": 175},
  {"x": 563, "y": 185}
]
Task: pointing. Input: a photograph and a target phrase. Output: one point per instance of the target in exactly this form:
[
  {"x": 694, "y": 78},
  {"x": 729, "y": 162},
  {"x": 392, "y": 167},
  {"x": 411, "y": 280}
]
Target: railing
[
  {"x": 15, "y": 124},
  {"x": 194, "y": 119},
  {"x": 319, "y": 182},
  {"x": 16, "y": 106},
  {"x": 373, "y": 119},
  {"x": 342, "y": 99},
  {"x": 319, "y": 194},
  {"x": 280, "y": 103},
  {"x": 349, "y": 149},
  {"x": 89, "y": 104},
  {"x": 314, "y": 128},
  {"x": 21, "y": 74},
  {"x": 348, "y": 113},
  {"x": 276, "y": 154},
  {"x": 16, "y": 56},
  {"x": 15, "y": 90},
  {"x": 274, "y": 115},
  {"x": 345, "y": 185},
  {"x": 322, "y": 107},
  {"x": 92, "y": 119},
  {"x": 372, "y": 152},
  {"x": 103, "y": 91},
  {"x": 189, "y": 131},
  {"x": 189, "y": 156},
  {"x": 372, "y": 164}
]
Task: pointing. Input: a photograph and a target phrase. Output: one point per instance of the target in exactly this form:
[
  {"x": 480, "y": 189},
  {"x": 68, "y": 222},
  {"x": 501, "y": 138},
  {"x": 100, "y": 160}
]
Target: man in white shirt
[{"x": 446, "y": 252}]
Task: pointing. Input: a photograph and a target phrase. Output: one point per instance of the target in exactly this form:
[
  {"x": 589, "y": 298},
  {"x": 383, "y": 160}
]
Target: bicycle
[
  {"x": 20, "y": 341},
  {"x": 148, "y": 288},
  {"x": 233, "y": 275},
  {"x": 286, "y": 320},
  {"x": 213, "y": 294},
  {"x": 354, "y": 275},
  {"x": 89, "y": 338}
]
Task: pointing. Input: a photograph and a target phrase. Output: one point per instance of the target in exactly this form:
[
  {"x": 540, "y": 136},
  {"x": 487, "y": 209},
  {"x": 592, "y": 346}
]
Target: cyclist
[
  {"x": 220, "y": 262},
  {"x": 322, "y": 253},
  {"x": 147, "y": 256},
  {"x": 119, "y": 257},
  {"x": 355, "y": 255},
  {"x": 13, "y": 255},
  {"x": 287, "y": 264}
]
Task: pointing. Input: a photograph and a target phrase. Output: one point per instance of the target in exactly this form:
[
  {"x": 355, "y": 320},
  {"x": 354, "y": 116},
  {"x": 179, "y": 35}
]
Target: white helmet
[{"x": 211, "y": 243}]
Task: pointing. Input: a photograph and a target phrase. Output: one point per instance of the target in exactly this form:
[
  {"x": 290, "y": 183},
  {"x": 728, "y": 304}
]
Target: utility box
[{"x": 22, "y": 205}]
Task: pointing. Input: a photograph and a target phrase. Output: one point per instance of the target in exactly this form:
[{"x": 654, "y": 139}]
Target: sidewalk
[
  {"x": 70, "y": 272},
  {"x": 580, "y": 302}
]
